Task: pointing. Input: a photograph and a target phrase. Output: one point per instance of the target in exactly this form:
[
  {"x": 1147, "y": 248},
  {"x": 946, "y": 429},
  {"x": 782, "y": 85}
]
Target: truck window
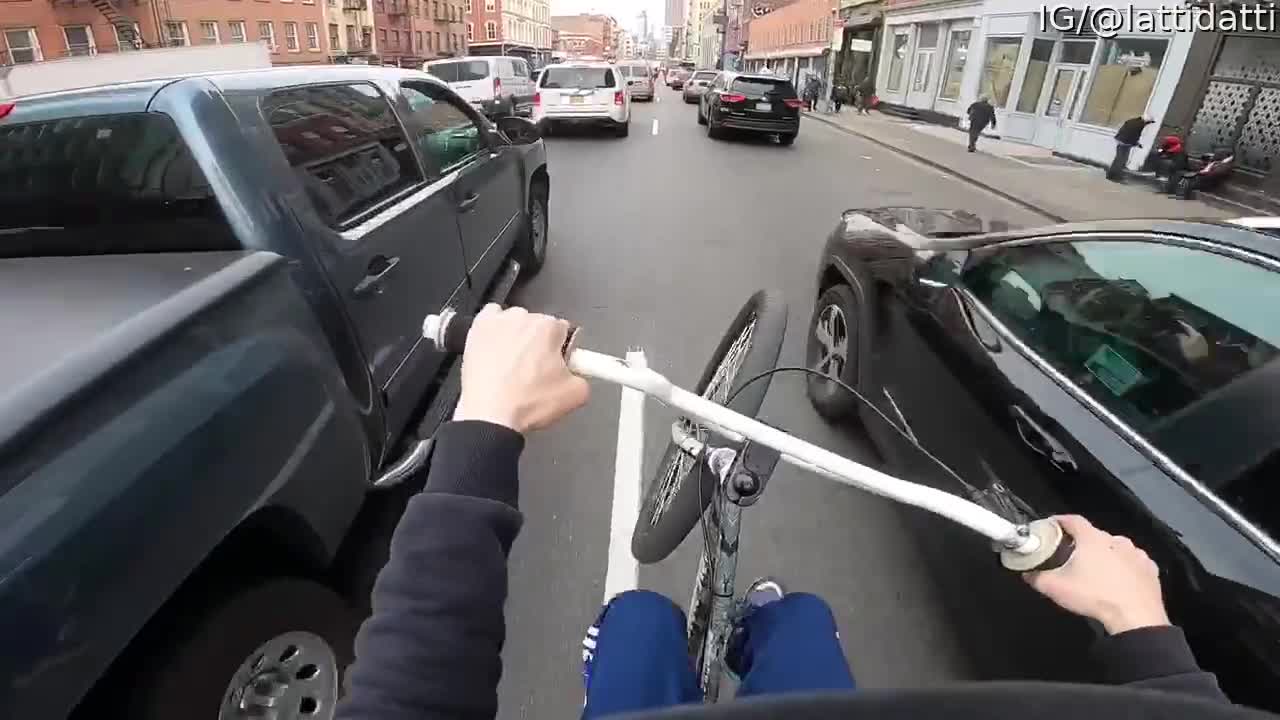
[
  {"x": 460, "y": 70},
  {"x": 345, "y": 145},
  {"x": 449, "y": 138},
  {"x": 105, "y": 184}
]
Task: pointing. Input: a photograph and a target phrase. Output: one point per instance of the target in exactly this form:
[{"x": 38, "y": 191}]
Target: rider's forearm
[
  {"x": 1157, "y": 658},
  {"x": 432, "y": 648}
]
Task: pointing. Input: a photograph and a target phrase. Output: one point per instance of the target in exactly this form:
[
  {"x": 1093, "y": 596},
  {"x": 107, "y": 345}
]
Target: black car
[
  {"x": 756, "y": 103},
  {"x": 1125, "y": 370}
]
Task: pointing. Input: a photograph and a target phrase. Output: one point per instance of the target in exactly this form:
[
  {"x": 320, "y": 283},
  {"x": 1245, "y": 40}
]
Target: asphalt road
[{"x": 656, "y": 240}]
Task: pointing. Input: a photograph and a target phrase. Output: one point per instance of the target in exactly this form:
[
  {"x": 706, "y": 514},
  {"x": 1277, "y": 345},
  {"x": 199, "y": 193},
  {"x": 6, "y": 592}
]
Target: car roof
[
  {"x": 1248, "y": 234},
  {"x": 732, "y": 75},
  {"x": 485, "y": 58},
  {"x": 137, "y": 96},
  {"x": 585, "y": 63}
]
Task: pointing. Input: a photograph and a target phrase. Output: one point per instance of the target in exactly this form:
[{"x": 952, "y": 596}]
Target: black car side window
[
  {"x": 446, "y": 135},
  {"x": 345, "y": 145},
  {"x": 1146, "y": 329}
]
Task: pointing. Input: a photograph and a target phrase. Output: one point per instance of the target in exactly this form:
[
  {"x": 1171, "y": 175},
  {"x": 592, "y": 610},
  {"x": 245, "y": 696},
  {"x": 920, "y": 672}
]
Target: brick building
[
  {"x": 350, "y": 30},
  {"x": 410, "y": 32},
  {"x": 587, "y": 34},
  {"x": 36, "y": 30},
  {"x": 793, "y": 40},
  {"x": 511, "y": 27}
]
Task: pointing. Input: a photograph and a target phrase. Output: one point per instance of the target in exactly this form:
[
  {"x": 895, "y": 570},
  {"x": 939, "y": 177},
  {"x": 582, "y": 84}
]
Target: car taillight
[
  {"x": 793, "y": 102},
  {"x": 732, "y": 98},
  {"x": 497, "y": 87},
  {"x": 537, "y": 98},
  {"x": 5, "y": 109},
  {"x": 617, "y": 98}
]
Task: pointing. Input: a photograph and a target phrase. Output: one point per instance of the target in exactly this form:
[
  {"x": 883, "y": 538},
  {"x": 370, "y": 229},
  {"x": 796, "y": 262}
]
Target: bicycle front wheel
[{"x": 679, "y": 493}]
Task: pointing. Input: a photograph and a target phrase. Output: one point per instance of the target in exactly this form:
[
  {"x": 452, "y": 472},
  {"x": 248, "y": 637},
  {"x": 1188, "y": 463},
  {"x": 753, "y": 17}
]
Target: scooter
[{"x": 1186, "y": 174}]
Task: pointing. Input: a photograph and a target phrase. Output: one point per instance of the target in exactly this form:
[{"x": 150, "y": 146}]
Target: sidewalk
[{"x": 1031, "y": 176}]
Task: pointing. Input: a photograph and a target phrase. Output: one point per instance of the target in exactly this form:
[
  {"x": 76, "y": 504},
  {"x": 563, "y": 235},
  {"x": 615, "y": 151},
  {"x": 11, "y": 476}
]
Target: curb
[{"x": 942, "y": 168}]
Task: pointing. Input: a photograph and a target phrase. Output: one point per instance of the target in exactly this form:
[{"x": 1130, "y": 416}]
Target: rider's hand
[
  {"x": 1107, "y": 579},
  {"x": 513, "y": 373}
]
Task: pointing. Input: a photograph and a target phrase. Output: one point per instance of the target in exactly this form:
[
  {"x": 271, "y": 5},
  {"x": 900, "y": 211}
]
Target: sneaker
[
  {"x": 589, "y": 650},
  {"x": 759, "y": 593}
]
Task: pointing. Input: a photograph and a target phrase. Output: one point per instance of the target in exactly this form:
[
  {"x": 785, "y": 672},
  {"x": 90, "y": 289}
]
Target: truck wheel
[
  {"x": 531, "y": 250},
  {"x": 277, "y": 647}
]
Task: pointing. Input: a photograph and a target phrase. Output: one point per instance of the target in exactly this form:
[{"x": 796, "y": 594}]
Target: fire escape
[{"x": 124, "y": 21}]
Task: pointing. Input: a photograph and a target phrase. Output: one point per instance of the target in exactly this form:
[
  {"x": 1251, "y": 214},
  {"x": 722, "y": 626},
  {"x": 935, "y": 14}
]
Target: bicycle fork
[{"x": 712, "y": 609}]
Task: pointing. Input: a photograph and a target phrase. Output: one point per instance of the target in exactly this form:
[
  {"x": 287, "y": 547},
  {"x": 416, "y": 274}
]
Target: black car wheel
[
  {"x": 531, "y": 250},
  {"x": 832, "y": 350},
  {"x": 276, "y": 648},
  {"x": 713, "y": 132},
  {"x": 786, "y": 139},
  {"x": 702, "y": 119},
  {"x": 624, "y": 129}
]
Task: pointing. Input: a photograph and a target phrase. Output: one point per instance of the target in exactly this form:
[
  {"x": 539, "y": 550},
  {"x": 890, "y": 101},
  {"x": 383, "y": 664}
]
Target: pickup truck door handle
[
  {"x": 468, "y": 202},
  {"x": 379, "y": 267},
  {"x": 1039, "y": 440}
]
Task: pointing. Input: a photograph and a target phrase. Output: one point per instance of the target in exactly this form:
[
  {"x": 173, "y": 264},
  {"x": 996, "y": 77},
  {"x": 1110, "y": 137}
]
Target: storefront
[
  {"x": 924, "y": 64},
  {"x": 1229, "y": 97},
  {"x": 856, "y": 57},
  {"x": 1070, "y": 92}
]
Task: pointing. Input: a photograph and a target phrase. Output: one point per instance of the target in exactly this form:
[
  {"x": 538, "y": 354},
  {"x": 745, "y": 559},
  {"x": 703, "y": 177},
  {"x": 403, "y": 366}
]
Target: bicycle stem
[{"x": 1012, "y": 538}]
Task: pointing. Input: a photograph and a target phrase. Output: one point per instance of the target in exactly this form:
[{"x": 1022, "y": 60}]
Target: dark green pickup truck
[{"x": 212, "y": 290}]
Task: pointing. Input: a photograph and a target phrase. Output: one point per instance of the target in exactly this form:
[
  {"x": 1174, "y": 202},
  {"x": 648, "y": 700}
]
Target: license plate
[
  {"x": 575, "y": 100},
  {"x": 764, "y": 107}
]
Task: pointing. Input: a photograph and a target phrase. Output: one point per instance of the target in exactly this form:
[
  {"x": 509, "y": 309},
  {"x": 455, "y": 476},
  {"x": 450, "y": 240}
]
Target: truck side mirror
[{"x": 520, "y": 131}]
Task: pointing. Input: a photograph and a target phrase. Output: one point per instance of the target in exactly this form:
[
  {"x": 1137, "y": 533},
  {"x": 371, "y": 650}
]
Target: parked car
[
  {"x": 583, "y": 93},
  {"x": 751, "y": 102},
  {"x": 697, "y": 85},
  {"x": 676, "y": 78},
  {"x": 1125, "y": 370},
  {"x": 219, "y": 282},
  {"x": 639, "y": 79},
  {"x": 496, "y": 86}
]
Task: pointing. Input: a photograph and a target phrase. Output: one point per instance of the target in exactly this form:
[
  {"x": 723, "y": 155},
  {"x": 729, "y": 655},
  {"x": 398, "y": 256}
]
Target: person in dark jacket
[
  {"x": 981, "y": 114},
  {"x": 864, "y": 92},
  {"x": 1128, "y": 137},
  {"x": 432, "y": 649}
]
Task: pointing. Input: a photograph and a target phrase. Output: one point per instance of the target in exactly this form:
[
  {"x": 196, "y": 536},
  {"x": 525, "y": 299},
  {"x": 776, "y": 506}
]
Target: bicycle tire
[{"x": 671, "y": 509}]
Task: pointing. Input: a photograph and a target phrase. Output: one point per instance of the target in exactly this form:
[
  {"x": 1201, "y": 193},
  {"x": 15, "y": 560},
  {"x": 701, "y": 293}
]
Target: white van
[
  {"x": 496, "y": 86},
  {"x": 639, "y": 79}
]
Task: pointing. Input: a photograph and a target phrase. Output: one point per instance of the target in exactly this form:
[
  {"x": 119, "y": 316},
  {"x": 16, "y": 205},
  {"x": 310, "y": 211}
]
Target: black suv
[{"x": 758, "y": 103}]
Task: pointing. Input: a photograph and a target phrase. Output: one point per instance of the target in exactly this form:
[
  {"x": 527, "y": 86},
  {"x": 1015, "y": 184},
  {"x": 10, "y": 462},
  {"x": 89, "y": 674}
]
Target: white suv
[
  {"x": 587, "y": 92},
  {"x": 496, "y": 86}
]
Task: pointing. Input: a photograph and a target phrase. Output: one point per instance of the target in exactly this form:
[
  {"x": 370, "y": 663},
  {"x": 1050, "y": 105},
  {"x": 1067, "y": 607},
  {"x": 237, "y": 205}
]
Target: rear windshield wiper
[{"x": 33, "y": 228}]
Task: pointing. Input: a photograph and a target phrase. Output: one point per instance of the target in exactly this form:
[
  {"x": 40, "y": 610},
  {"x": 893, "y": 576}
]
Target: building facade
[
  {"x": 1064, "y": 91},
  {"x": 38, "y": 30},
  {"x": 793, "y": 40},
  {"x": 511, "y": 27},
  {"x": 351, "y": 31},
  {"x": 709, "y": 45},
  {"x": 857, "y": 41},
  {"x": 587, "y": 35},
  {"x": 695, "y": 12}
]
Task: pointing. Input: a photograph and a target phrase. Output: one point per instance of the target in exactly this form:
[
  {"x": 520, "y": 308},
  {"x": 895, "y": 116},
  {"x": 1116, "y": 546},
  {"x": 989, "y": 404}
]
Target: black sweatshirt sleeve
[
  {"x": 1157, "y": 658},
  {"x": 432, "y": 647}
]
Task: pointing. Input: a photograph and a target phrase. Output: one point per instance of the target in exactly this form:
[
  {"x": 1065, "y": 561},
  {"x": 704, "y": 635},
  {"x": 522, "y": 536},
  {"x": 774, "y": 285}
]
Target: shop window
[
  {"x": 1124, "y": 80},
  {"x": 1077, "y": 51},
  {"x": 957, "y": 52},
  {"x": 997, "y": 70},
  {"x": 1033, "y": 81},
  {"x": 897, "y": 60},
  {"x": 927, "y": 37}
]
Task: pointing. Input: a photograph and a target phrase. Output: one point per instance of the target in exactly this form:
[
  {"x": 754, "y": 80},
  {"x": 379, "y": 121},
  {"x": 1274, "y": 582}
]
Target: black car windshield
[
  {"x": 578, "y": 77},
  {"x": 759, "y": 87},
  {"x": 460, "y": 71},
  {"x": 106, "y": 184}
]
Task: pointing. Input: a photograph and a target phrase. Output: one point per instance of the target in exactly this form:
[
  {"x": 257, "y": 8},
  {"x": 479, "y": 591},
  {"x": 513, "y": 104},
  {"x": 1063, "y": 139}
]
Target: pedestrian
[
  {"x": 839, "y": 94},
  {"x": 981, "y": 114},
  {"x": 812, "y": 88},
  {"x": 1128, "y": 137},
  {"x": 863, "y": 94}
]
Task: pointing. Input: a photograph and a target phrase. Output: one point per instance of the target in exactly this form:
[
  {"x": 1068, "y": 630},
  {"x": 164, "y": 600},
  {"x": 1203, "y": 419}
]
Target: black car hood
[{"x": 915, "y": 225}]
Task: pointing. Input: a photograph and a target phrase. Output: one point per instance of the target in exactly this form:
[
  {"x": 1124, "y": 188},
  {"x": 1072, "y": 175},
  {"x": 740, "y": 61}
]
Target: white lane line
[
  {"x": 657, "y": 98},
  {"x": 623, "y": 573},
  {"x": 655, "y": 126}
]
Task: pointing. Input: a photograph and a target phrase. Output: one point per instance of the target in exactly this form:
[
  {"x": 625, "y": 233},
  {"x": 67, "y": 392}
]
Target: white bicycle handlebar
[{"x": 1022, "y": 547}]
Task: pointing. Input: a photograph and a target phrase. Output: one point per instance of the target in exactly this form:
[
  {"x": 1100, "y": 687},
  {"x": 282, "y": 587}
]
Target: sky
[{"x": 625, "y": 12}]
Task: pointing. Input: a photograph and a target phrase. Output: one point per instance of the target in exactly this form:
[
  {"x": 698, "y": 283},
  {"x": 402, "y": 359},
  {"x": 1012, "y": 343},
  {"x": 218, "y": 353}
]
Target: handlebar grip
[
  {"x": 1056, "y": 548},
  {"x": 448, "y": 332}
]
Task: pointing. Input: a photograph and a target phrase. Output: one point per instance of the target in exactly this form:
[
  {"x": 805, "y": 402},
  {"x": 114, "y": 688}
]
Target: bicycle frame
[{"x": 711, "y": 607}]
